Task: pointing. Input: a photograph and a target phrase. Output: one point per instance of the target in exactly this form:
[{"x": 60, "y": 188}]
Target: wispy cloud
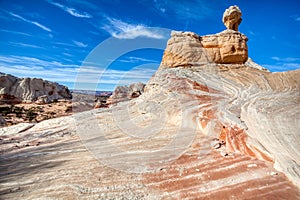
[
  {"x": 20, "y": 44},
  {"x": 287, "y": 59},
  {"x": 295, "y": 17},
  {"x": 283, "y": 64},
  {"x": 251, "y": 33},
  {"x": 282, "y": 67},
  {"x": 31, "y": 61},
  {"x": 15, "y": 32},
  {"x": 123, "y": 30},
  {"x": 23, "y": 66},
  {"x": 59, "y": 72},
  {"x": 31, "y": 22},
  {"x": 195, "y": 10},
  {"x": 91, "y": 74},
  {"x": 133, "y": 59},
  {"x": 67, "y": 54},
  {"x": 79, "y": 44},
  {"x": 71, "y": 11}
]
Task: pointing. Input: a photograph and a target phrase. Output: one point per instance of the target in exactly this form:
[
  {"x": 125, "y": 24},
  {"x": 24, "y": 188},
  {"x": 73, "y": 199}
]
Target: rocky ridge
[
  {"x": 202, "y": 129},
  {"x": 125, "y": 93},
  {"x": 13, "y": 89}
]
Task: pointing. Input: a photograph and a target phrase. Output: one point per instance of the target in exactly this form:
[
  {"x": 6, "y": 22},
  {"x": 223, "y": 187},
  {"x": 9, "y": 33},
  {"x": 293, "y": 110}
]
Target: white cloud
[
  {"x": 15, "y": 32},
  {"x": 31, "y": 22},
  {"x": 251, "y": 33},
  {"x": 20, "y": 44},
  {"x": 133, "y": 59},
  {"x": 22, "y": 66},
  {"x": 283, "y": 64},
  {"x": 287, "y": 59},
  {"x": 195, "y": 10},
  {"x": 67, "y": 54},
  {"x": 30, "y": 61},
  {"x": 123, "y": 30},
  {"x": 278, "y": 67},
  {"x": 79, "y": 44},
  {"x": 72, "y": 11},
  {"x": 90, "y": 74},
  {"x": 275, "y": 58}
]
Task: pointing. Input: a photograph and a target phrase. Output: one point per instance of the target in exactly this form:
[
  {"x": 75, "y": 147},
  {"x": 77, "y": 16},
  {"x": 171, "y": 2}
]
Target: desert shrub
[
  {"x": 18, "y": 111},
  {"x": 4, "y": 110},
  {"x": 31, "y": 114}
]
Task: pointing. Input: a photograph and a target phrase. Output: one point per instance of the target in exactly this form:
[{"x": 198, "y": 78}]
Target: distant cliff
[{"x": 14, "y": 90}]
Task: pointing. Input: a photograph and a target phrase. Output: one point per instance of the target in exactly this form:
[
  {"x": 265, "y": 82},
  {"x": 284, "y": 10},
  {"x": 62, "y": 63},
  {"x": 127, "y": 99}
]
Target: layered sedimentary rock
[
  {"x": 204, "y": 132},
  {"x": 232, "y": 18},
  {"x": 31, "y": 89},
  {"x": 185, "y": 49},
  {"x": 126, "y": 93},
  {"x": 201, "y": 130}
]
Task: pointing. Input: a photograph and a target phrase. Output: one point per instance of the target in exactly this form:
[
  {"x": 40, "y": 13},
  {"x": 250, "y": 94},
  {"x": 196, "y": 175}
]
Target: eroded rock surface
[
  {"x": 126, "y": 93},
  {"x": 232, "y": 18},
  {"x": 202, "y": 129},
  {"x": 185, "y": 49},
  {"x": 221, "y": 126},
  {"x": 30, "y": 89}
]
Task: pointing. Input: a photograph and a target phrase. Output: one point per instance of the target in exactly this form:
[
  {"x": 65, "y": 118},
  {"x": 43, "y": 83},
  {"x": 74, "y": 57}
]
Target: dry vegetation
[{"x": 32, "y": 112}]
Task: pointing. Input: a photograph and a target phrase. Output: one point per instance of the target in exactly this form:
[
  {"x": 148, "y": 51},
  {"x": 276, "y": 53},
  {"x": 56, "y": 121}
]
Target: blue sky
[{"x": 54, "y": 39}]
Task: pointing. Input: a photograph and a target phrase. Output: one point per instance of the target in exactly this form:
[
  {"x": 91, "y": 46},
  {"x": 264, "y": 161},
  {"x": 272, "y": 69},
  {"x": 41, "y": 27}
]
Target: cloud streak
[
  {"x": 288, "y": 59},
  {"x": 20, "y": 44},
  {"x": 31, "y": 22},
  {"x": 123, "y": 30},
  {"x": 133, "y": 59},
  {"x": 283, "y": 64},
  {"x": 15, "y": 32},
  {"x": 59, "y": 72},
  {"x": 72, "y": 11},
  {"x": 195, "y": 10},
  {"x": 79, "y": 44}
]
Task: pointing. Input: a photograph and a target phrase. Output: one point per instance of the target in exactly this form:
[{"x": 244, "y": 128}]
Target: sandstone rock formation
[
  {"x": 44, "y": 99},
  {"x": 185, "y": 49},
  {"x": 125, "y": 93},
  {"x": 232, "y": 18},
  {"x": 201, "y": 130},
  {"x": 13, "y": 89}
]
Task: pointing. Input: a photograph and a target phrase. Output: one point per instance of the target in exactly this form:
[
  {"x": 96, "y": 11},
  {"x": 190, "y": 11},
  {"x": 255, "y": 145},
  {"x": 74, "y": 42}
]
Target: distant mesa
[{"x": 17, "y": 90}]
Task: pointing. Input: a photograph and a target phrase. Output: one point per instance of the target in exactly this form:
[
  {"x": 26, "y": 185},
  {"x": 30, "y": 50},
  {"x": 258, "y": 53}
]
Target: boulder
[
  {"x": 232, "y": 18},
  {"x": 125, "y": 93},
  {"x": 43, "y": 99}
]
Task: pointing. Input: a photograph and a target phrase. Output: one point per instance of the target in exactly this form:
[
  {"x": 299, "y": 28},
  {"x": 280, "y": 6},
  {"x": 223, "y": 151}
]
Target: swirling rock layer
[
  {"x": 211, "y": 124},
  {"x": 224, "y": 127}
]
